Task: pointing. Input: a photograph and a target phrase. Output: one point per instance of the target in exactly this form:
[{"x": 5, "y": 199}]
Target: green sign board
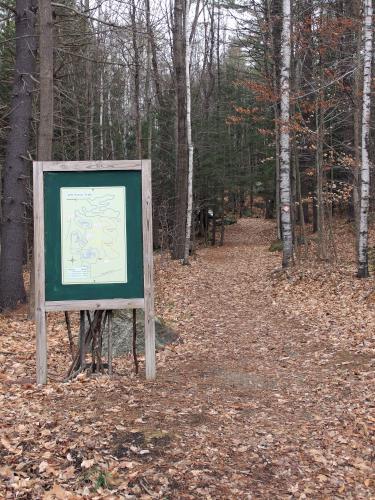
[
  {"x": 93, "y": 235},
  {"x": 93, "y": 243}
]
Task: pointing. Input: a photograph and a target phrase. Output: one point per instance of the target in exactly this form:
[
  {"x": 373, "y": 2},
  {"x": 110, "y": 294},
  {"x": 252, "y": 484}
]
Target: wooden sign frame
[{"x": 42, "y": 306}]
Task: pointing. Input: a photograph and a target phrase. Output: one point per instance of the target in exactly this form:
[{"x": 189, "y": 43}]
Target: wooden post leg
[
  {"x": 148, "y": 271},
  {"x": 135, "y": 357},
  {"x": 82, "y": 344},
  {"x": 149, "y": 343},
  {"x": 110, "y": 342},
  {"x": 39, "y": 276},
  {"x": 41, "y": 346}
]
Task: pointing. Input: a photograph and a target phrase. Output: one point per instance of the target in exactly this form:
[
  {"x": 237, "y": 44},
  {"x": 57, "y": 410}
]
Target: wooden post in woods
[
  {"x": 148, "y": 269},
  {"x": 131, "y": 287},
  {"x": 40, "y": 311}
]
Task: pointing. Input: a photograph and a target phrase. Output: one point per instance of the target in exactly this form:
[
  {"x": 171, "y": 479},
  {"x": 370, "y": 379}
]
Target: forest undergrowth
[{"x": 268, "y": 394}]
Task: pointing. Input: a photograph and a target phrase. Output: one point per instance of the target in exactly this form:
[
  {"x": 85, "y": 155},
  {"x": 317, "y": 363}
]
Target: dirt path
[{"x": 264, "y": 398}]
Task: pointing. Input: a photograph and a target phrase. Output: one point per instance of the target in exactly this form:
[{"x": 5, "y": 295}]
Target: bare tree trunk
[
  {"x": 189, "y": 138},
  {"x": 138, "y": 124},
  {"x": 285, "y": 191},
  {"x": 152, "y": 74},
  {"x": 12, "y": 290},
  {"x": 277, "y": 173},
  {"x": 125, "y": 127},
  {"x": 101, "y": 110},
  {"x": 357, "y": 128},
  {"x": 100, "y": 42},
  {"x": 89, "y": 121},
  {"x": 45, "y": 130},
  {"x": 148, "y": 86},
  {"x": 322, "y": 237},
  {"x": 110, "y": 121},
  {"x": 365, "y": 165},
  {"x": 179, "y": 56},
  {"x": 273, "y": 9}
]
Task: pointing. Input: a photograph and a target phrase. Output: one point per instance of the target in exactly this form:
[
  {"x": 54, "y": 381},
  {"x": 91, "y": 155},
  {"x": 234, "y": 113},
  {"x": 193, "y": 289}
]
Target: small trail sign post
[{"x": 93, "y": 244}]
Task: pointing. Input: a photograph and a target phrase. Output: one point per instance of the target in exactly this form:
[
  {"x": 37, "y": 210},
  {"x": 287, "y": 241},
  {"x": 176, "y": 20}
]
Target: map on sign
[{"x": 93, "y": 235}]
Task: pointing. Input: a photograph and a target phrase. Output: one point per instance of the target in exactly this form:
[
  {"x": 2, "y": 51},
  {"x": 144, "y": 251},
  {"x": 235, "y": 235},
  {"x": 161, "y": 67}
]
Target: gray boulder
[{"x": 122, "y": 333}]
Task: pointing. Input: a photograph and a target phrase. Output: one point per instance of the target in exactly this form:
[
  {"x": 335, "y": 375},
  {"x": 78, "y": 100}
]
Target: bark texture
[
  {"x": 365, "y": 165},
  {"x": 285, "y": 191},
  {"x": 189, "y": 137},
  {"x": 179, "y": 55},
  {"x": 16, "y": 171},
  {"x": 137, "y": 110},
  {"x": 45, "y": 132},
  {"x": 45, "y": 129}
]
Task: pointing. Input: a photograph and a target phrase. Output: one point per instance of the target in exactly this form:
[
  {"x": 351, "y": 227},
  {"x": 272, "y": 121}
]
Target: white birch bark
[
  {"x": 109, "y": 103},
  {"x": 285, "y": 190},
  {"x": 189, "y": 137},
  {"x": 365, "y": 164},
  {"x": 125, "y": 122},
  {"x": 101, "y": 106}
]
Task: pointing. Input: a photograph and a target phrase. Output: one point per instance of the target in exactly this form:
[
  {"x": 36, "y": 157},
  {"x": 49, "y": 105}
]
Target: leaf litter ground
[{"x": 269, "y": 394}]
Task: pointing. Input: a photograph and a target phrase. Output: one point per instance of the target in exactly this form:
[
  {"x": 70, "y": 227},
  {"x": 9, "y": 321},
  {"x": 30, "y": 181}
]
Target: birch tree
[
  {"x": 285, "y": 188},
  {"x": 365, "y": 164},
  {"x": 189, "y": 34}
]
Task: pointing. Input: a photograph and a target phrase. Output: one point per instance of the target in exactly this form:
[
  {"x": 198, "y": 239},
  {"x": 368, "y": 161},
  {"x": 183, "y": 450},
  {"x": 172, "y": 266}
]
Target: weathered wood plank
[
  {"x": 40, "y": 313},
  {"x": 79, "y": 166},
  {"x": 91, "y": 305},
  {"x": 148, "y": 269}
]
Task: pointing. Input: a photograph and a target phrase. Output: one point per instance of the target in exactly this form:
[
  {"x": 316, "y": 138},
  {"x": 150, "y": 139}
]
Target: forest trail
[{"x": 268, "y": 395}]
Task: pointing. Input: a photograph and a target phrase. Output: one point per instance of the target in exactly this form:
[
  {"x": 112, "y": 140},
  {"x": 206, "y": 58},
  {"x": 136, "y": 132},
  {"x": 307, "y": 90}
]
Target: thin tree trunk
[
  {"x": 213, "y": 240},
  {"x": 45, "y": 130},
  {"x": 273, "y": 9},
  {"x": 16, "y": 171},
  {"x": 138, "y": 124},
  {"x": 148, "y": 85},
  {"x": 125, "y": 127},
  {"x": 89, "y": 115},
  {"x": 315, "y": 212},
  {"x": 101, "y": 109},
  {"x": 110, "y": 121},
  {"x": 285, "y": 191},
  {"x": 277, "y": 172},
  {"x": 101, "y": 41},
  {"x": 179, "y": 56},
  {"x": 365, "y": 165},
  {"x": 322, "y": 237},
  {"x": 357, "y": 129},
  {"x": 222, "y": 227},
  {"x": 189, "y": 137}
]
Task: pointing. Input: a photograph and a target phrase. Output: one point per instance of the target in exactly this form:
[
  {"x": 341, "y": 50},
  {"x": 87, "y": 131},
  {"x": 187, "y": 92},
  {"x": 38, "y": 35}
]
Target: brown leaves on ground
[{"x": 268, "y": 395}]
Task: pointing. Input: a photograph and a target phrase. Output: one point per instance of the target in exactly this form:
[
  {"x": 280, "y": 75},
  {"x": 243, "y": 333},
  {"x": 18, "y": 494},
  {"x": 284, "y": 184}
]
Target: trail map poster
[{"x": 93, "y": 235}]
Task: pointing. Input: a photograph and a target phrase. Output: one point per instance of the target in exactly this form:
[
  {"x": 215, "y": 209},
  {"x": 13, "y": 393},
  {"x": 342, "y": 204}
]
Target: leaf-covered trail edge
[{"x": 270, "y": 394}]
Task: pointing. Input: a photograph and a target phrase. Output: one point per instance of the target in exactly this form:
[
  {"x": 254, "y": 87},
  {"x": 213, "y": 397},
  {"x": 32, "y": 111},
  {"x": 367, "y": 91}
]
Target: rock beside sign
[{"x": 122, "y": 333}]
